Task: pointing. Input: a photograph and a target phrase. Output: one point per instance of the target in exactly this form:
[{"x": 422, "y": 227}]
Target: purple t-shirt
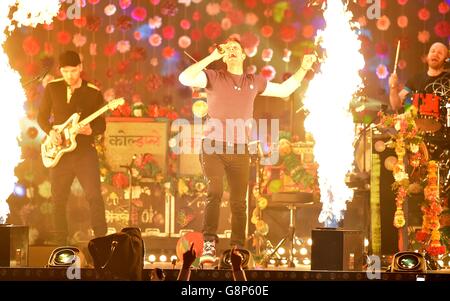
[{"x": 231, "y": 96}]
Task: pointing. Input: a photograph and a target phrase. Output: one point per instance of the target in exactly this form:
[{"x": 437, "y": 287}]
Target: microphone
[{"x": 219, "y": 48}]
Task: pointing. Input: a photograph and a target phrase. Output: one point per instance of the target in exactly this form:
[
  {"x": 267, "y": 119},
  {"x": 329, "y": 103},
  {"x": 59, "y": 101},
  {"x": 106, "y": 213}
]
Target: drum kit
[{"x": 433, "y": 123}]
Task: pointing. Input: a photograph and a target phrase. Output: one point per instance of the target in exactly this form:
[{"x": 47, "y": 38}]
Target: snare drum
[{"x": 429, "y": 113}]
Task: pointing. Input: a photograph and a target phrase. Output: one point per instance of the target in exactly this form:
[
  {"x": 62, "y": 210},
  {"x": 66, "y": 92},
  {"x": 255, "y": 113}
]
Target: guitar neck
[{"x": 94, "y": 115}]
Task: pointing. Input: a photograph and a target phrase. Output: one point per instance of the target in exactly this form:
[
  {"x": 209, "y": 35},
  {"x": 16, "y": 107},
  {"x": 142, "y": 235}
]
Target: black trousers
[
  {"x": 236, "y": 168},
  {"x": 83, "y": 164}
]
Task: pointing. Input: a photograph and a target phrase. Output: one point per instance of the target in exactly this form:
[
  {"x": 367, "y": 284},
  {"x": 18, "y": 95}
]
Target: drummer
[{"x": 423, "y": 82}]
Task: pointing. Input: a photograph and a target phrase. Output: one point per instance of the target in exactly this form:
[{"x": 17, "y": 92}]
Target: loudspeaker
[
  {"x": 13, "y": 246},
  {"x": 247, "y": 259},
  {"x": 337, "y": 250},
  {"x": 408, "y": 262}
]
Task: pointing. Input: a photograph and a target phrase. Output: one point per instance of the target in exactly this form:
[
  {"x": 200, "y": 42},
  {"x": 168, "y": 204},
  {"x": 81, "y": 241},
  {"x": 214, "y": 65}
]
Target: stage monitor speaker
[
  {"x": 13, "y": 246},
  {"x": 408, "y": 262},
  {"x": 336, "y": 250}
]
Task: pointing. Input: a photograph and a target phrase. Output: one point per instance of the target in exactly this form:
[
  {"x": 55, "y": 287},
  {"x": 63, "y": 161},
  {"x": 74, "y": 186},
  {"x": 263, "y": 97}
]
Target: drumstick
[
  {"x": 189, "y": 56},
  {"x": 396, "y": 57}
]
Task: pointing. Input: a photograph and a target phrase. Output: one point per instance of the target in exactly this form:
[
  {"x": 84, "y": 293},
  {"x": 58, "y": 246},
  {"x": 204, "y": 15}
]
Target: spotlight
[
  {"x": 65, "y": 257},
  {"x": 163, "y": 258},
  {"x": 366, "y": 242},
  {"x": 408, "y": 262},
  {"x": 309, "y": 242},
  {"x": 173, "y": 258},
  {"x": 281, "y": 251},
  {"x": 247, "y": 261},
  {"x": 152, "y": 258},
  {"x": 19, "y": 190},
  {"x": 303, "y": 251}
]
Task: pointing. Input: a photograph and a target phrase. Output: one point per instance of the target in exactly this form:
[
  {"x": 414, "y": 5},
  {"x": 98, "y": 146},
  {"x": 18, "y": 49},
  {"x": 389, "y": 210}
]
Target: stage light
[
  {"x": 152, "y": 258},
  {"x": 281, "y": 251},
  {"x": 65, "y": 257},
  {"x": 163, "y": 258},
  {"x": 309, "y": 242},
  {"x": 366, "y": 242},
  {"x": 272, "y": 261},
  {"x": 19, "y": 190},
  {"x": 173, "y": 257},
  {"x": 283, "y": 261},
  {"x": 408, "y": 262},
  {"x": 247, "y": 259},
  {"x": 306, "y": 261},
  {"x": 303, "y": 251}
]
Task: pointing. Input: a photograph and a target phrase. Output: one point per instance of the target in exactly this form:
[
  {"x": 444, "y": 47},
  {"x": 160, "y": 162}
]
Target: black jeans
[
  {"x": 83, "y": 164},
  {"x": 236, "y": 168}
]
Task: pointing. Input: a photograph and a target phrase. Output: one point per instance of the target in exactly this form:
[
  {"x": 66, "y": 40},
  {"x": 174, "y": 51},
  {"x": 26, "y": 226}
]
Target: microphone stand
[{"x": 129, "y": 169}]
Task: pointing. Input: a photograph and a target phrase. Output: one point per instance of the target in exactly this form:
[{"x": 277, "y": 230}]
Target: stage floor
[{"x": 261, "y": 274}]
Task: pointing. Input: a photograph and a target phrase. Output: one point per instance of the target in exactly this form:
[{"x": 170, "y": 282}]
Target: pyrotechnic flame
[
  {"x": 26, "y": 13},
  {"x": 327, "y": 99}
]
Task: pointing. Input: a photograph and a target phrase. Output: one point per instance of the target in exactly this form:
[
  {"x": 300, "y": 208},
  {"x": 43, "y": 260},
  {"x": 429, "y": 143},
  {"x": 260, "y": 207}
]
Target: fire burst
[
  {"x": 327, "y": 99},
  {"x": 26, "y": 13}
]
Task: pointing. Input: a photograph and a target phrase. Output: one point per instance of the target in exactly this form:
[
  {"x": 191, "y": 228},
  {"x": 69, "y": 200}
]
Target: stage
[{"x": 88, "y": 274}]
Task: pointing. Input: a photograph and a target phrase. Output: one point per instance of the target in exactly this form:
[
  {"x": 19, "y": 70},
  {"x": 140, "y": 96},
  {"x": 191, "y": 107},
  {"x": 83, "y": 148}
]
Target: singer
[
  {"x": 62, "y": 98},
  {"x": 230, "y": 96}
]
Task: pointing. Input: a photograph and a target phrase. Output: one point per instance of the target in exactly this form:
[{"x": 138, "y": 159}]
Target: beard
[{"x": 434, "y": 64}]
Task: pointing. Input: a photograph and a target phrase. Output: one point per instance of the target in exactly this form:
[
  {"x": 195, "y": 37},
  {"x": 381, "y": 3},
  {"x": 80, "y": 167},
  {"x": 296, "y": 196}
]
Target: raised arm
[
  {"x": 193, "y": 76},
  {"x": 396, "y": 97},
  {"x": 287, "y": 87}
]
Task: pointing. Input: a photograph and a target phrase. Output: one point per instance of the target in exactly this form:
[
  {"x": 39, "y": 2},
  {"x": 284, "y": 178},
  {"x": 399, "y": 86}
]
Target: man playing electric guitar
[{"x": 62, "y": 98}]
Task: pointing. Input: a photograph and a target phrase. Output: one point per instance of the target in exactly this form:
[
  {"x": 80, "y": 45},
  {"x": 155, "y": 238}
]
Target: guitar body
[{"x": 52, "y": 153}]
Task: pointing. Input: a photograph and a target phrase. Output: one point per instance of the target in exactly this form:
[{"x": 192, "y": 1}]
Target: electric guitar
[{"x": 51, "y": 153}]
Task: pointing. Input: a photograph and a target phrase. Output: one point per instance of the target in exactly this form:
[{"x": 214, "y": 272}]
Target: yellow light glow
[
  {"x": 163, "y": 258},
  {"x": 27, "y": 13},
  {"x": 327, "y": 99}
]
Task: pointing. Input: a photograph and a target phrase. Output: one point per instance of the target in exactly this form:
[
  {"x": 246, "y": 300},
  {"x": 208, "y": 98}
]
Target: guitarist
[{"x": 62, "y": 98}]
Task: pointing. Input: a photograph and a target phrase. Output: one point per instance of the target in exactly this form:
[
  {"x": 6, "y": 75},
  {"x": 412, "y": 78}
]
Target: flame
[
  {"x": 26, "y": 13},
  {"x": 327, "y": 99}
]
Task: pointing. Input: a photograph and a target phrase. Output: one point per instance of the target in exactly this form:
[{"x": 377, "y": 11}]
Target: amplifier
[
  {"x": 13, "y": 246},
  {"x": 337, "y": 250}
]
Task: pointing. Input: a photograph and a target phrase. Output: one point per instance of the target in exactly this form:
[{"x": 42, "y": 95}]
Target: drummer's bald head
[{"x": 440, "y": 45}]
